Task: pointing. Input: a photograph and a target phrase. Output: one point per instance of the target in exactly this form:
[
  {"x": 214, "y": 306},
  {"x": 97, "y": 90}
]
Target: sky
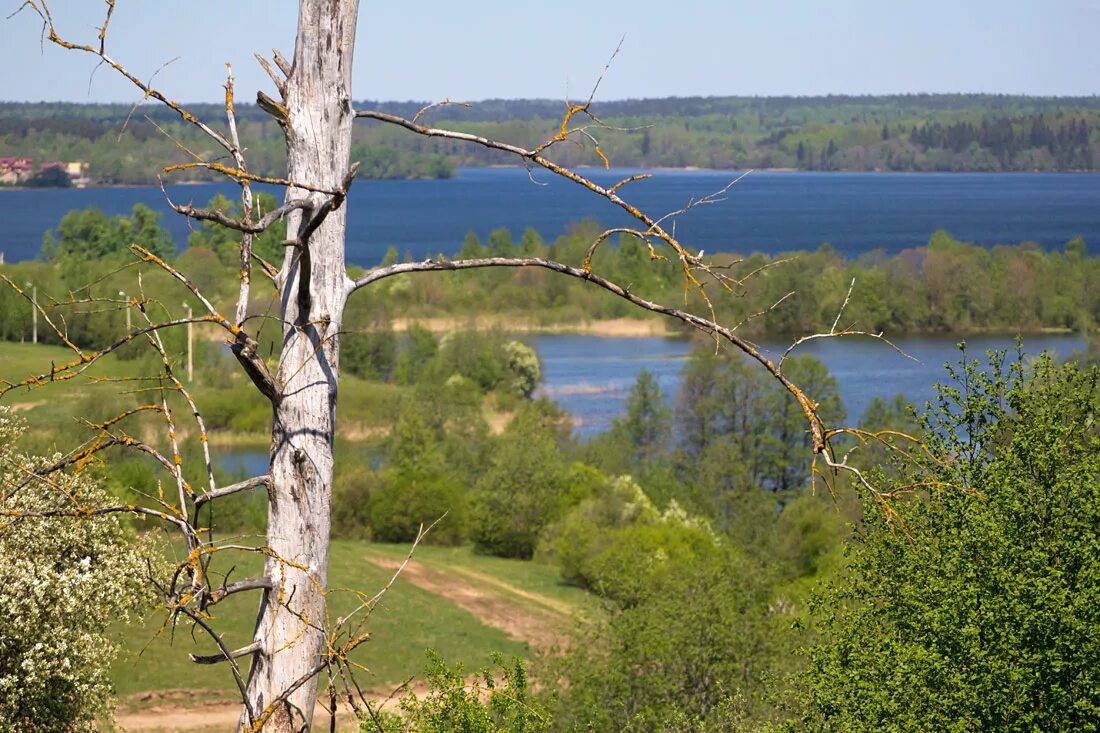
[{"x": 481, "y": 49}]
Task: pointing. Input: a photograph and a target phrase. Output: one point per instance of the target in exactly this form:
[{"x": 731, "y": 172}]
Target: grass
[
  {"x": 408, "y": 622},
  {"x": 405, "y": 624}
]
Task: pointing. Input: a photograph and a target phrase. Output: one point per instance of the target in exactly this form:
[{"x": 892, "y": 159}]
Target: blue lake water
[
  {"x": 767, "y": 211},
  {"x": 590, "y": 376}
]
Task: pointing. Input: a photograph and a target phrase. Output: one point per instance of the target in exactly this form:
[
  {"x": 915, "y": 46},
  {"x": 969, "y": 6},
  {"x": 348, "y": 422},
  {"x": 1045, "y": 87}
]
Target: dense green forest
[{"x": 901, "y": 133}]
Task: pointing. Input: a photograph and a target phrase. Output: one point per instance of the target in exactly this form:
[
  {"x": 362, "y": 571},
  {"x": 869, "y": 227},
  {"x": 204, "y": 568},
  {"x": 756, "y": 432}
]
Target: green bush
[
  {"x": 63, "y": 582},
  {"x": 522, "y": 491},
  {"x": 691, "y": 654},
  {"x": 496, "y": 700},
  {"x": 402, "y": 503},
  {"x": 976, "y": 607}
]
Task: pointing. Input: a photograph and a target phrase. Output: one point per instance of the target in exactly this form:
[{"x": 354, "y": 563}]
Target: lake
[
  {"x": 590, "y": 376},
  {"x": 767, "y": 211}
]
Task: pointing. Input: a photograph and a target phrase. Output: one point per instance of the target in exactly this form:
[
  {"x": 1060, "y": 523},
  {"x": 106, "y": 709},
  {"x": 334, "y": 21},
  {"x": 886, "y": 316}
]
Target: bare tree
[{"x": 294, "y": 639}]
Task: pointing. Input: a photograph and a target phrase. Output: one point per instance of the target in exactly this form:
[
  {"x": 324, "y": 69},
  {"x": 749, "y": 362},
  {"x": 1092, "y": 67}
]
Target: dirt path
[
  {"x": 177, "y": 712},
  {"x": 538, "y": 620},
  {"x": 209, "y": 718}
]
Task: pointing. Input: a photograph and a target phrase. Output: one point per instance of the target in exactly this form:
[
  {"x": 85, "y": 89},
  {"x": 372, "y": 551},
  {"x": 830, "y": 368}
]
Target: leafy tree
[
  {"x": 88, "y": 235},
  {"x": 522, "y": 491},
  {"x": 647, "y": 423},
  {"x": 697, "y": 636},
  {"x": 63, "y": 583},
  {"x": 523, "y": 365},
  {"x": 419, "y": 349},
  {"x": 417, "y": 487},
  {"x": 977, "y": 606},
  {"x": 370, "y": 355}
]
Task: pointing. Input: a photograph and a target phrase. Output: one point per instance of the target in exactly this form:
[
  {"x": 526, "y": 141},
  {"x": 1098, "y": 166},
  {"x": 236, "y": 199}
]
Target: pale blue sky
[{"x": 478, "y": 49}]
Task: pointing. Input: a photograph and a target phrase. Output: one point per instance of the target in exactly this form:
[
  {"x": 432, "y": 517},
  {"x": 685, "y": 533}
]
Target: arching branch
[{"x": 807, "y": 405}]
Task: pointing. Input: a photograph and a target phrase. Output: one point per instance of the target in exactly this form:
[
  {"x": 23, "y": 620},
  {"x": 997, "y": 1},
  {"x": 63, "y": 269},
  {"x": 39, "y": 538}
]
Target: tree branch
[
  {"x": 217, "y": 658},
  {"x": 240, "y": 586},
  {"x": 808, "y": 406},
  {"x": 251, "y": 483}
]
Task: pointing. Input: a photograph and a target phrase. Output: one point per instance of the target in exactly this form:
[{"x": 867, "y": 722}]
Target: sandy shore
[{"x": 610, "y": 327}]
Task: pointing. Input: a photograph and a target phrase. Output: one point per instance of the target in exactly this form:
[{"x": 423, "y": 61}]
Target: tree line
[
  {"x": 947, "y": 286},
  {"x": 901, "y": 132}
]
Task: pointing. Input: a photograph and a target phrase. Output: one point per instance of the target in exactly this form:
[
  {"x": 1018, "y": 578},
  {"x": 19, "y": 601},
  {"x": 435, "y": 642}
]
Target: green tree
[
  {"x": 523, "y": 490},
  {"x": 647, "y": 423},
  {"x": 416, "y": 487},
  {"x": 977, "y": 607},
  {"x": 697, "y": 636},
  {"x": 88, "y": 234}
]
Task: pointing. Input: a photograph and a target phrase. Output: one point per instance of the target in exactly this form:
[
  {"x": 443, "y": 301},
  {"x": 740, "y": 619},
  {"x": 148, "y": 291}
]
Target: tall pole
[
  {"x": 190, "y": 350},
  {"x": 123, "y": 295},
  {"x": 34, "y": 313}
]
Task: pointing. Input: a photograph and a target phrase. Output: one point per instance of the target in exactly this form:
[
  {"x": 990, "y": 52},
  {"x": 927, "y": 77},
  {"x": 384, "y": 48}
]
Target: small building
[
  {"x": 78, "y": 172},
  {"x": 15, "y": 170}
]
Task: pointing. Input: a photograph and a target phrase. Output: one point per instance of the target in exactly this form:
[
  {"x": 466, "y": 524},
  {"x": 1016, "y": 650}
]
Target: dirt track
[{"x": 530, "y": 617}]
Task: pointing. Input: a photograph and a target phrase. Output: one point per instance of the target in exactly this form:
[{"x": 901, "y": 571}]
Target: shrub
[
  {"x": 522, "y": 491},
  {"x": 697, "y": 640},
  {"x": 494, "y": 701},
  {"x": 983, "y": 613},
  {"x": 403, "y": 502},
  {"x": 63, "y": 582}
]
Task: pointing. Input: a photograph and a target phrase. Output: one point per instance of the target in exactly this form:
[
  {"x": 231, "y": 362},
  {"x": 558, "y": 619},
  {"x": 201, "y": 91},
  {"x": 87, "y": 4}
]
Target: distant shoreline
[{"x": 586, "y": 168}]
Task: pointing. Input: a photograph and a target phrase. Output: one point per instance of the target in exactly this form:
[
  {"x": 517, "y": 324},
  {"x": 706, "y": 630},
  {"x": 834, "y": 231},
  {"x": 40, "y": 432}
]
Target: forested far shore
[{"x": 947, "y": 132}]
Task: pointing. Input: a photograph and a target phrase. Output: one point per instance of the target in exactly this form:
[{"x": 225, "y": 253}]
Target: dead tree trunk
[{"x": 312, "y": 292}]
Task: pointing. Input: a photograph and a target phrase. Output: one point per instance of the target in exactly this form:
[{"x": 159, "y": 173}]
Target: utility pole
[
  {"x": 190, "y": 350},
  {"x": 34, "y": 310},
  {"x": 124, "y": 297}
]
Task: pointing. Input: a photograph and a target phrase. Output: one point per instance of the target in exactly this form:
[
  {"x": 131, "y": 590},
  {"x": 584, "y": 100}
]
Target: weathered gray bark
[{"x": 313, "y": 288}]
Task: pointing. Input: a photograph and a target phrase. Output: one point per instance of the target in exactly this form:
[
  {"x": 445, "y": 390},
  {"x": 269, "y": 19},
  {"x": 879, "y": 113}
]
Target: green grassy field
[{"x": 405, "y": 624}]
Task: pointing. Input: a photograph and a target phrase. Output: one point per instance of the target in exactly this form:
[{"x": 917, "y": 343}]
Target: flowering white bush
[{"x": 63, "y": 582}]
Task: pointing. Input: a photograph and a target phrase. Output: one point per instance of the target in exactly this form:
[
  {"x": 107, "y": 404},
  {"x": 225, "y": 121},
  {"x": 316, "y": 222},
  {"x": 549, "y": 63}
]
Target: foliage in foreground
[
  {"x": 984, "y": 613},
  {"x": 63, "y": 582},
  {"x": 495, "y": 701}
]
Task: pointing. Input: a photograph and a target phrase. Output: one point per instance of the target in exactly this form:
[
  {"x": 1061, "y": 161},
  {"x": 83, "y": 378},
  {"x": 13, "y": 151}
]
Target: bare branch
[
  {"x": 440, "y": 103},
  {"x": 245, "y": 485},
  {"x": 808, "y": 407},
  {"x": 279, "y": 82},
  {"x": 834, "y": 333},
  {"x": 239, "y": 587},
  {"x": 42, "y": 9},
  {"x": 244, "y": 651},
  {"x": 257, "y": 227},
  {"x": 280, "y": 61}
]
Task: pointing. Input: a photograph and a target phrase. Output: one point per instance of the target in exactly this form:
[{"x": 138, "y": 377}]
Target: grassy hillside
[{"x": 408, "y": 621}]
